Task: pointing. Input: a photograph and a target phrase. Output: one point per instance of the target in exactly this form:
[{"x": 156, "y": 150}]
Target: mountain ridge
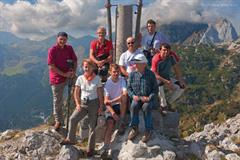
[{"x": 21, "y": 61}]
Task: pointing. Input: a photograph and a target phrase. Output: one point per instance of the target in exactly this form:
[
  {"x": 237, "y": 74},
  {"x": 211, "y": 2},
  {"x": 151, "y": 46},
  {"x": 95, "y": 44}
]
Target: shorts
[{"x": 116, "y": 109}]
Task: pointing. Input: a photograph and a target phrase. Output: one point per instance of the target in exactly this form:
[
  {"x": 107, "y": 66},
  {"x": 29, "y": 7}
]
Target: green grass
[{"x": 20, "y": 67}]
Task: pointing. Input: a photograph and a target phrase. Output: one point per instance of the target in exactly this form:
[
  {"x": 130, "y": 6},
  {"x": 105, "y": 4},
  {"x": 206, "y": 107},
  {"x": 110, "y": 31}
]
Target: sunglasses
[{"x": 130, "y": 42}]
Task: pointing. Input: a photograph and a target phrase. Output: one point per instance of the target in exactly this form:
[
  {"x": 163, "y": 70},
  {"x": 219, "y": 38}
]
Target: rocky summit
[{"x": 214, "y": 142}]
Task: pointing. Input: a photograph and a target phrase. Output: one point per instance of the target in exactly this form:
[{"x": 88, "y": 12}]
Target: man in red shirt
[
  {"x": 101, "y": 53},
  {"x": 162, "y": 64},
  {"x": 62, "y": 64}
]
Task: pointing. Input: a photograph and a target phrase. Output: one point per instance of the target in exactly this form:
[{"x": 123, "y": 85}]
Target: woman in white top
[{"x": 88, "y": 96}]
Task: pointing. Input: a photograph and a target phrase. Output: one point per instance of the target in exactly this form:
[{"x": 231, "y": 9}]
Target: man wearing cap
[
  {"x": 152, "y": 40},
  {"x": 162, "y": 64},
  {"x": 59, "y": 58},
  {"x": 142, "y": 89}
]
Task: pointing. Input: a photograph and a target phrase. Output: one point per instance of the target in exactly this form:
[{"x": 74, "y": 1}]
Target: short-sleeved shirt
[
  {"x": 88, "y": 88},
  {"x": 58, "y": 57},
  {"x": 99, "y": 49},
  {"x": 125, "y": 60},
  {"x": 163, "y": 66},
  {"x": 114, "y": 89},
  {"x": 158, "y": 39}
]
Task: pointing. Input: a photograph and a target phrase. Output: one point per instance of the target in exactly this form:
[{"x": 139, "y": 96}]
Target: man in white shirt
[
  {"x": 115, "y": 96},
  {"x": 126, "y": 66},
  {"x": 152, "y": 40}
]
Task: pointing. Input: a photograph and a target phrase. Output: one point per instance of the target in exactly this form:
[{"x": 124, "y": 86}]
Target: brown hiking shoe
[
  {"x": 132, "y": 134},
  {"x": 146, "y": 136}
]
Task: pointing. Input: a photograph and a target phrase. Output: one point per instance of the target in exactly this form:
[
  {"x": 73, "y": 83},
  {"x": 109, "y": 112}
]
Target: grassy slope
[{"x": 213, "y": 91}]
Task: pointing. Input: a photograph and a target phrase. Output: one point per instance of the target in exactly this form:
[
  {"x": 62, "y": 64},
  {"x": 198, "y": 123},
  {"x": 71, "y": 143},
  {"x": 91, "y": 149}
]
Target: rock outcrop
[
  {"x": 220, "y": 31},
  {"x": 216, "y": 141}
]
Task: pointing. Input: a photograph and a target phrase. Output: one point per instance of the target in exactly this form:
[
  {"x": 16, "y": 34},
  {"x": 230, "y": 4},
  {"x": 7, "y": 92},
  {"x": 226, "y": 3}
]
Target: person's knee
[
  {"x": 124, "y": 99},
  {"x": 73, "y": 118}
]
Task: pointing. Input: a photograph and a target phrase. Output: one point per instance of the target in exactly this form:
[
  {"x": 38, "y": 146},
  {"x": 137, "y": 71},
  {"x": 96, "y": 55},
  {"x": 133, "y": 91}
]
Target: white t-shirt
[
  {"x": 89, "y": 88},
  {"x": 114, "y": 89},
  {"x": 125, "y": 60},
  {"x": 158, "y": 39}
]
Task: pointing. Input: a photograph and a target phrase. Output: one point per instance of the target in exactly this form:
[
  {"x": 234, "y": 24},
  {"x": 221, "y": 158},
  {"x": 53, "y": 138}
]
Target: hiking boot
[
  {"x": 132, "y": 134},
  {"x": 146, "y": 136},
  {"x": 57, "y": 126},
  {"x": 121, "y": 129}
]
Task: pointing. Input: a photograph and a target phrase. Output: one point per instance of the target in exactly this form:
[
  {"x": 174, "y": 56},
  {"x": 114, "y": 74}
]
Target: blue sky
[{"x": 38, "y": 19}]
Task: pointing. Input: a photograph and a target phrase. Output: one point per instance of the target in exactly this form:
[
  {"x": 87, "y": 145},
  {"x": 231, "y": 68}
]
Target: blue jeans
[{"x": 147, "y": 113}]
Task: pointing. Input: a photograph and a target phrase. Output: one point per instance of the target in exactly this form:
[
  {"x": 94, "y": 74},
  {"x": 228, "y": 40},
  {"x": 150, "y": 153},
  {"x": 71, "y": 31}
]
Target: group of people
[{"x": 138, "y": 79}]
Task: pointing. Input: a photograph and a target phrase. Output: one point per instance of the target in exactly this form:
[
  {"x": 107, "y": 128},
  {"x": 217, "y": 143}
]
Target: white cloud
[
  {"x": 78, "y": 17},
  {"x": 167, "y": 11},
  {"x": 47, "y": 17}
]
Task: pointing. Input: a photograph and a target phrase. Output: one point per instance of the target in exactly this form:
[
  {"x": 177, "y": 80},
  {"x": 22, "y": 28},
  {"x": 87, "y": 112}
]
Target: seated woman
[{"x": 88, "y": 96}]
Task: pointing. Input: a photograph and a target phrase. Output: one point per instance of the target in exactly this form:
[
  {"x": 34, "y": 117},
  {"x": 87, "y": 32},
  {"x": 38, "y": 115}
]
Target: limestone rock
[
  {"x": 69, "y": 152},
  {"x": 232, "y": 156},
  {"x": 8, "y": 134}
]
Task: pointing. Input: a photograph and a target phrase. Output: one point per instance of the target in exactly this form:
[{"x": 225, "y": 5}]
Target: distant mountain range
[
  {"x": 188, "y": 33},
  {"x": 25, "y": 97}
]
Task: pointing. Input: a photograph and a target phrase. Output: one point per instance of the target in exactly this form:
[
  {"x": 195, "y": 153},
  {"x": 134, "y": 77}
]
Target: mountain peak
[{"x": 219, "y": 31}]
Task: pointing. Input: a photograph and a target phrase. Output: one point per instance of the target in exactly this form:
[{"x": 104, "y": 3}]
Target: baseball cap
[{"x": 139, "y": 58}]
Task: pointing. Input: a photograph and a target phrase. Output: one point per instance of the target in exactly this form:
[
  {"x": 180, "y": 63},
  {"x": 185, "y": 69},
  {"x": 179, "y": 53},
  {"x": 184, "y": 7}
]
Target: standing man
[
  {"x": 162, "y": 63},
  {"x": 142, "y": 89},
  {"x": 59, "y": 58},
  {"x": 101, "y": 51},
  {"x": 125, "y": 63},
  {"x": 152, "y": 40}
]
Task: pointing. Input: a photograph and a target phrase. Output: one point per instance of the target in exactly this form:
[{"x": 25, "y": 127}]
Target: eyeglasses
[{"x": 130, "y": 42}]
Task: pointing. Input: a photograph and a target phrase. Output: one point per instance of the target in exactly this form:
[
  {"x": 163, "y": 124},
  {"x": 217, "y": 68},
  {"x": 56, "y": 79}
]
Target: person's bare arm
[
  {"x": 100, "y": 95},
  {"x": 177, "y": 71},
  {"x": 110, "y": 57},
  {"x": 53, "y": 68},
  {"x": 92, "y": 57},
  {"x": 123, "y": 70},
  {"x": 77, "y": 99}
]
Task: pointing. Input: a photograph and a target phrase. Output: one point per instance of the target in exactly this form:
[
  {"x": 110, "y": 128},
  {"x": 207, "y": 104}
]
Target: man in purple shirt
[{"x": 60, "y": 56}]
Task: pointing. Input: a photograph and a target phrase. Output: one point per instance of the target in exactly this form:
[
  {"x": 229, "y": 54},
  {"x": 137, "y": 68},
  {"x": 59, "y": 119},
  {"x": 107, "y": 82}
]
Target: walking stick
[{"x": 70, "y": 83}]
